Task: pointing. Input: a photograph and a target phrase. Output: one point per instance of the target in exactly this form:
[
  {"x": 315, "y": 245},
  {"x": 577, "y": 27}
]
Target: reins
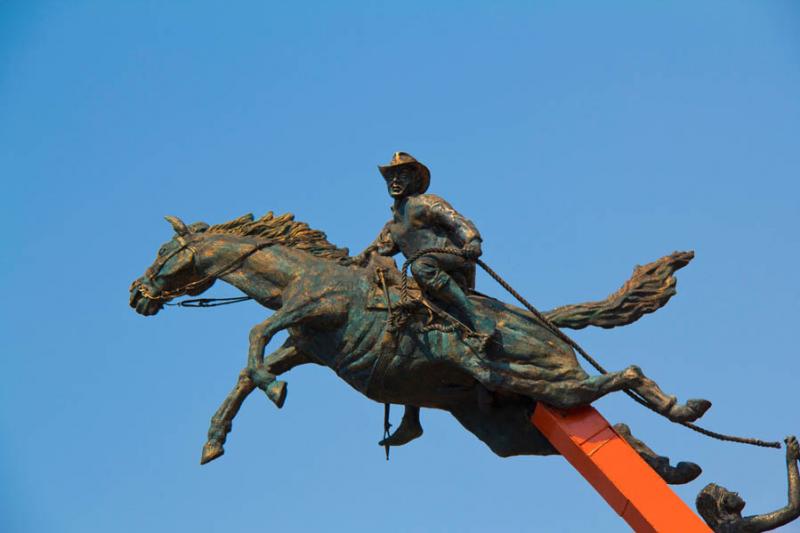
[
  {"x": 201, "y": 302},
  {"x": 564, "y": 337},
  {"x": 209, "y": 302}
]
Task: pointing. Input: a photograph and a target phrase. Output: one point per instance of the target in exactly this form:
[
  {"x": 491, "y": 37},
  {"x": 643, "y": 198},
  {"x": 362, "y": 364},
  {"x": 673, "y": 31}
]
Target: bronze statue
[
  {"x": 340, "y": 316},
  {"x": 722, "y": 509},
  {"x": 430, "y": 341}
]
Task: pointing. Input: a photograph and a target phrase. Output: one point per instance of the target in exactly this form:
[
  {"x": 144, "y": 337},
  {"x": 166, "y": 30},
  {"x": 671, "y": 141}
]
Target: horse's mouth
[{"x": 142, "y": 304}]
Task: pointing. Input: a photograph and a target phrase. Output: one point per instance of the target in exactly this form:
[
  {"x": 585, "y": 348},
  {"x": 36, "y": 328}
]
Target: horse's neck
[{"x": 262, "y": 274}]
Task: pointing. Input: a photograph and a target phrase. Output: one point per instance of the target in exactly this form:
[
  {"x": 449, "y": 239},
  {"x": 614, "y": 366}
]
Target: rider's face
[{"x": 400, "y": 181}]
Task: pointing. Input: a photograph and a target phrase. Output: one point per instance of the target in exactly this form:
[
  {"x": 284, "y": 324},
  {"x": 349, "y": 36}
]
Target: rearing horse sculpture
[{"x": 335, "y": 319}]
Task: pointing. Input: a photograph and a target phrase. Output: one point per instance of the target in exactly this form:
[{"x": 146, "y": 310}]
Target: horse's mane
[{"x": 283, "y": 230}]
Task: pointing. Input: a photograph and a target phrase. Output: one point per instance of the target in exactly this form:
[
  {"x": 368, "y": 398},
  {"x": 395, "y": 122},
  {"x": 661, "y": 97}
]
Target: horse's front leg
[
  {"x": 278, "y": 362},
  {"x": 281, "y": 360},
  {"x": 284, "y": 318},
  {"x": 222, "y": 421},
  {"x": 259, "y": 373},
  {"x": 330, "y": 310}
]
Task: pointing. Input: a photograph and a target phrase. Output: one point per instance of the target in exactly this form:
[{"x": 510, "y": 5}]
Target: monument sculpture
[{"x": 429, "y": 340}]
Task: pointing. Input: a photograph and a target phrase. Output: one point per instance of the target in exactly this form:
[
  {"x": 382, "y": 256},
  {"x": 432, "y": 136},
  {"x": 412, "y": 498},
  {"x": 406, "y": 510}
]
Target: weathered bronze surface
[
  {"x": 722, "y": 509},
  {"x": 432, "y": 341},
  {"x": 485, "y": 361},
  {"x": 336, "y": 316}
]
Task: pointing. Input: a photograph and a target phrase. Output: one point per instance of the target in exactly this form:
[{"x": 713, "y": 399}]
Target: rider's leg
[
  {"x": 433, "y": 278},
  {"x": 409, "y": 429}
]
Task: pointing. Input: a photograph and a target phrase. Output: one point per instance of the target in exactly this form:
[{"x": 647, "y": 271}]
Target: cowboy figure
[{"x": 421, "y": 221}]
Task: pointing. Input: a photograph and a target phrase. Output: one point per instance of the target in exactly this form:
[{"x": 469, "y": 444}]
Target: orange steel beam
[{"x": 628, "y": 484}]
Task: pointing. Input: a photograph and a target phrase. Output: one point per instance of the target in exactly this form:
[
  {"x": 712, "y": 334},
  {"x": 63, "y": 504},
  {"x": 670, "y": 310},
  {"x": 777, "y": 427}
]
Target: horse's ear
[
  {"x": 198, "y": 227},
  {"x": 177, "y": 224}
]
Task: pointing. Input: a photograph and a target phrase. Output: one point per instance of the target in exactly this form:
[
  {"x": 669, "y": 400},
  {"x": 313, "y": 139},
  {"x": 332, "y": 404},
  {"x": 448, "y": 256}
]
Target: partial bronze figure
[{"x": 722, "y": 509}]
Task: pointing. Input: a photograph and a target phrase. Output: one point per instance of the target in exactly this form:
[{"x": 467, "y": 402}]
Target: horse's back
[{"x": 524, "y": 337}]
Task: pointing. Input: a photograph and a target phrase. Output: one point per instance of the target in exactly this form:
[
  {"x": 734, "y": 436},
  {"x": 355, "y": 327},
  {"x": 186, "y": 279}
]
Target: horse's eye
[{"x": 162, "y": 251}]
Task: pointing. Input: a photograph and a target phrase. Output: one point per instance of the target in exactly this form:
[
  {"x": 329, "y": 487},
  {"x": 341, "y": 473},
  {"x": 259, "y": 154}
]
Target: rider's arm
[
  {"x": 785, "y": 515},
  {"x": 383, "y": 244},
  {"x": 443, "y": 214}
]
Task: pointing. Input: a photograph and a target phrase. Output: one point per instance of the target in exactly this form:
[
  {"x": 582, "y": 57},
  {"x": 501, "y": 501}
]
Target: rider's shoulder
[{"x": 426, "y": 200}]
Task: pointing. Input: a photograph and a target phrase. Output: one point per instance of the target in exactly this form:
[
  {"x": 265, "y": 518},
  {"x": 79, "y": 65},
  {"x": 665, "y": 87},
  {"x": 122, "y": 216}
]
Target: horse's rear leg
[
  {"x": 633, "y": 378},
  {"x": 574, "y": 392},
  {"x": 683, "y": 472},
  {"x": 664, "y": 404},
  {"x": 564, "y": 392}
]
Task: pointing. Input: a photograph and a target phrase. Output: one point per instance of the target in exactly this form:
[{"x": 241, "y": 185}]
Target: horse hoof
[
  {"x": 685, "y": 472},
  {"x": 690, "y": 411},
  {"x": 276, "y": 391},
  {"x": 698, "y": 407},
  {"x": 682, "y": 473},
  {"x": 211, "y": 450}
]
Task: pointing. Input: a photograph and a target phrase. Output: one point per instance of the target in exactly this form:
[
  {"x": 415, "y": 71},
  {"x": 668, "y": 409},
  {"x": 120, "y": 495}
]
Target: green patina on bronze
[
  {"x": 448, "y": 347},
  {"x": 432, "y": 341},
  {"x": 336, "y": 316}
]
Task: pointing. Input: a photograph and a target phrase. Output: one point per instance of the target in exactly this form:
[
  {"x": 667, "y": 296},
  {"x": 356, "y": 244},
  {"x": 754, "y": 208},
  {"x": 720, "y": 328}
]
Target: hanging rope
[{"x": 564, "y": 337}]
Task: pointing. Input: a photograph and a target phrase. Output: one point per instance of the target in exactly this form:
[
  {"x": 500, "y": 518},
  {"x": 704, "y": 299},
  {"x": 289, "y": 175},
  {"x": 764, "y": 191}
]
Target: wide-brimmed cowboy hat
[{"x": 401, "y": 159}]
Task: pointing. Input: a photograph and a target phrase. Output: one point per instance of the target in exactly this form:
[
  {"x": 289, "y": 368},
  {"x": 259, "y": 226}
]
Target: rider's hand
[
  {"x": 473, "y": 248},
  {"x": 792, "y": 448},
  {"x": 358, "y": 260}
]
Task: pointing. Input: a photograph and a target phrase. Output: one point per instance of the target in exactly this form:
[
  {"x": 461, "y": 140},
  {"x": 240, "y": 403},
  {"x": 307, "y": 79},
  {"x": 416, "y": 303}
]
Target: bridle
[{"x": 161, "y": 262}]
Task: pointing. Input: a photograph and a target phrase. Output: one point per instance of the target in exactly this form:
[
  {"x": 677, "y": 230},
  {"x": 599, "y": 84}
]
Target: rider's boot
[{"x": 410, "y": 429}]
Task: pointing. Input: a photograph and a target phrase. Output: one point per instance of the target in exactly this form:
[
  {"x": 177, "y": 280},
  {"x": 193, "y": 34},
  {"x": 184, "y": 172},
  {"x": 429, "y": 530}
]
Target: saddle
[{"x": 384, "y": 271}]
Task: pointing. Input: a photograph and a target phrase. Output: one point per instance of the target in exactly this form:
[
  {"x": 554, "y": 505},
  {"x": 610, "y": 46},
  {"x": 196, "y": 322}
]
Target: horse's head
[{"x": 174, "y": 272}]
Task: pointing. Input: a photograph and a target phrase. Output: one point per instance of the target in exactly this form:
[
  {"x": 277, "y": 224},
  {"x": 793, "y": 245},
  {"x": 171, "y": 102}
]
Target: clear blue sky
[{"x": 582, "y": 138}]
